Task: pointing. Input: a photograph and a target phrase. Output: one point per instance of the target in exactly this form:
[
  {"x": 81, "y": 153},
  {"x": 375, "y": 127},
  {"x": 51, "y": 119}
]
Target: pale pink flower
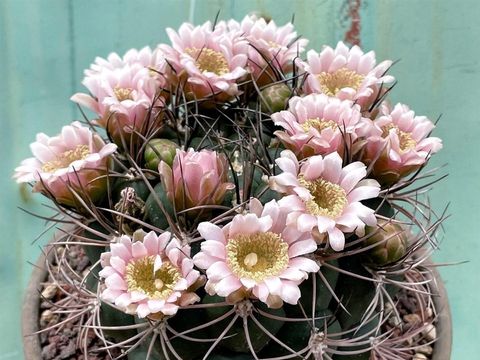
[
  {"x": 146, "y": 57},
  {"x": 210, "y": 61},
  {"x": 196, "y": 178},
  {"x": 256, "y": 255},
  {"x": 77, "y": 159},
  {"x": 150, "y": 277},
  {"x": 124, "y": 90},
  {"x": 345, "y": 73},
  {"x": 399, "y": 142},
  {"x": 324, "y": 197},
  {"x": 317, "y": 125},
  {"x": 272, "y": 48}
]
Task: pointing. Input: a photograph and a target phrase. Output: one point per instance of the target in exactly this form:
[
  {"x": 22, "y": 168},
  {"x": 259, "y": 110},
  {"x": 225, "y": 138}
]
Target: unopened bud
[
  {"x": 392, "y": 243},
  {"x": 138, "y": 235},
  {"x": 159, "y": 150},
  {"x": 275, "y": 98}
]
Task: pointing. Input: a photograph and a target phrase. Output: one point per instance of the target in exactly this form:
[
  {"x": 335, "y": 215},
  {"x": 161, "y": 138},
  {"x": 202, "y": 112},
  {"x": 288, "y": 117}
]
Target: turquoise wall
[{"x": 45, "y": 45}]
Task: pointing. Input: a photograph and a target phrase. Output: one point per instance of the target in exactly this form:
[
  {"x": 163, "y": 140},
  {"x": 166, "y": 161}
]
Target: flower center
[
  {"x": 257, "y": 256},
  {"x": 405, "y": 138},
  {"x": 65, "y": 159},
  {"x": 123, "y": 94},
  {"x": 328, "y": 199},
  {"x": 319, "y": 124},
  {"x": 155, "y": 284},
  {"x": 208, "y": 60},
  {"x": 332, "y": 83}
]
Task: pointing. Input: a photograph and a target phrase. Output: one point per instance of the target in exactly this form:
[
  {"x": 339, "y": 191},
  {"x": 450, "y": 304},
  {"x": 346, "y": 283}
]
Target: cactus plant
[{"x": 253, "y": 205}]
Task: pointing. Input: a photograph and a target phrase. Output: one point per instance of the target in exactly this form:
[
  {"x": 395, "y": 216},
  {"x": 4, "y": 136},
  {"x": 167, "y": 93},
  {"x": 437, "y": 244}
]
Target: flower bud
[
  {"x": 392, "y": 243},
  {"x": 275, "y": 98},
  {"x": 159, "y": 150},
  {"x": 195, "y": 178}
]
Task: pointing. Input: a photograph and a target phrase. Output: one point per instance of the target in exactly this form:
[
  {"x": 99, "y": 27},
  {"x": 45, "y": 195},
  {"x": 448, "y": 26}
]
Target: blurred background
[{"x": 46, "y": 45}]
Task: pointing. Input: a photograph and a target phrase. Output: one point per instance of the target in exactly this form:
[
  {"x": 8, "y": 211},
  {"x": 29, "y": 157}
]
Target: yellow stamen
[
  {"x": 319, "y": 124},
  {"x": 155, "y": 284},
  {"x": 328, "y": 199},
  {"x": 63, "y": 160},
  {"x": 405, "y": 138},
  {"x": 208, "y": 60},
  {"x": 332, "y": 83},
  {"x": 257, "y": 256},
  {"x": 123, "y": 93}
]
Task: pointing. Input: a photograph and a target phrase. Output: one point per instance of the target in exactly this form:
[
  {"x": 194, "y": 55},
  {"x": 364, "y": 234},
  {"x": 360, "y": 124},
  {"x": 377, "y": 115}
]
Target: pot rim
[
  {"x": 442, "y": 348},
  {"x": 32, "y": 348}
]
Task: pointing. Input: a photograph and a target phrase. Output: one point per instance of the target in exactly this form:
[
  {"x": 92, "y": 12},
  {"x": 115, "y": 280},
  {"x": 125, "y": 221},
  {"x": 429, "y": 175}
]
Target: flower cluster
[{"x": 239, "y": 203}]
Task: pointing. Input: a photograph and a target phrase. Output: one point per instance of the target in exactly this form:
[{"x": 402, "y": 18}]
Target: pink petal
[
  {"x": 248, "y": 283},
  {"x": 353, "y": 173},
  {"x": 292, "y": 273},
  {"x": 123, "y": 300},
  {"x": 218, "y": 271},
  {"x": 115, "y": 282},
  {"x": 156, "y": 305},
  {"x": 302, "y": 247},
  {"x": 306, "y": 222},
  {"x": 227, "y": 285},
  {"x": 367, "y": 189},
  {"x": 203, "y": 260},
  {"x": 210, "y": 231},
  {"x": 332, "y": 165},
  {"x": 118, "y": 264},
  {"x": 274, "y": 285},
  {"x": 214, "y": 248},
  {"x": 143, "y": 310},
  {"x": 110, "y": 295},
  {"x": 249, "y": 224},
  {"x": 139, "y": 250},
  {"x": 336, "y": 239},
  {"x": 313, "y": 168},
  {"x": 304, "y": 264},
  {"x": 290, "y": 293},
  {"x": 158, "y": 263}
]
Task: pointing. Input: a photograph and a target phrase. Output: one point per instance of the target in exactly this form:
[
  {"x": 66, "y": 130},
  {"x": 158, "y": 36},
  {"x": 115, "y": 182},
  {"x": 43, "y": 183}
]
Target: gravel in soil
[
  {"x": 416, "y": 318},
  {"x": 62, "y": 343}
]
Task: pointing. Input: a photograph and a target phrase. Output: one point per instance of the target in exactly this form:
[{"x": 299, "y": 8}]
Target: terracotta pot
[
  {"x": 31, "y": 303},
  {"x": 30, "y": 309},
  {"x": 442, "y": 349}
]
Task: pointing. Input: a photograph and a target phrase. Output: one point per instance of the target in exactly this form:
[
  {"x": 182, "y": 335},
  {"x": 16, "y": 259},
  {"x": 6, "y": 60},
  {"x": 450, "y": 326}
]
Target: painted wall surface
[{"x": 45, "y": 45}]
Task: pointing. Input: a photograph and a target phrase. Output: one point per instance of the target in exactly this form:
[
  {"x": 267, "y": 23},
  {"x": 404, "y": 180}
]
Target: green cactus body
[{"x": 154, "y": 213}]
